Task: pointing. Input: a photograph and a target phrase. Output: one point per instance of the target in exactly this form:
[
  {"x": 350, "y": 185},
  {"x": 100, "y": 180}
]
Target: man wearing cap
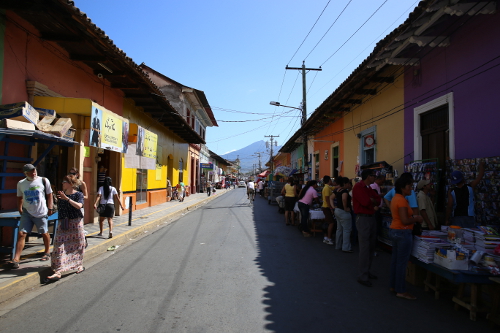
[
  {"x": 34, "y": 194},
  {"x": 460, "y": 209},
  {"x": 425, "y": 205}
]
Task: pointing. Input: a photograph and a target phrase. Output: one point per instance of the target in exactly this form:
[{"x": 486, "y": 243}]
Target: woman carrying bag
[
  {"x": 106, "y": 208},
  {"x": 69, "y": 244}
]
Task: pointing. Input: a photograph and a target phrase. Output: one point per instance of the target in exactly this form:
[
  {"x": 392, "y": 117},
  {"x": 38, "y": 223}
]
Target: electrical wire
[
  {"x": 354, "y": 32},
  {"x": 310, "y": 31},
  {"x": 374, "y": 41},
  {"x": 328, "y": 29}
]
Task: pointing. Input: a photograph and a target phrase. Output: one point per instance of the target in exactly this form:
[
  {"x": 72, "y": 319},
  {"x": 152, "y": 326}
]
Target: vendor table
[
  {"x": 12, "y": 219},
  {"x": 461, "y": 278},
  {"x": 315, "y": 216}
]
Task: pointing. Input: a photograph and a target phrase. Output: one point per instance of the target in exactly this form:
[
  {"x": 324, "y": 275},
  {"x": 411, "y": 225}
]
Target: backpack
[{"x": 54, "y": 198}]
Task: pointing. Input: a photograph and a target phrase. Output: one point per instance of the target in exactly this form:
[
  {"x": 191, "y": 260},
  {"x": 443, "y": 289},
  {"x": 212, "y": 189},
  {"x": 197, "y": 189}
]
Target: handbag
[{"x": 101, "y": 208}]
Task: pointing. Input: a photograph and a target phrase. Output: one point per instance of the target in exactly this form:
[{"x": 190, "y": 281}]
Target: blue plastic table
[{"x": 12, "y": 219}]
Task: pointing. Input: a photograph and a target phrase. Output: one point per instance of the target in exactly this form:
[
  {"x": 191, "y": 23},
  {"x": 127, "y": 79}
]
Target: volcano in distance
[{"x": 248, "y": 155}]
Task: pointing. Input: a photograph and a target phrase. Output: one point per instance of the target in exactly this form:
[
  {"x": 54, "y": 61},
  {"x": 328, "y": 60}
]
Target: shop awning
[
  {"x": 8, "y": 135},
  {"x": 264, "y": 174}
]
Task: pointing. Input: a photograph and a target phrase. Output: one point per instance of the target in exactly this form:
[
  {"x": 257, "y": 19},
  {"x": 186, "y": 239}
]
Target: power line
[
  {"x": 310, "y": 31},
  {"x": 354, "y": 33},
  {"x": 328, "y": 29},
  {"x": 374, "y": 41}
]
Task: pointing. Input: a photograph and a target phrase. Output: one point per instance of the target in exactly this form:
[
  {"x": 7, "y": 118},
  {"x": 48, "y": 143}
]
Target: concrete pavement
[{"x": 32, "y": 271}]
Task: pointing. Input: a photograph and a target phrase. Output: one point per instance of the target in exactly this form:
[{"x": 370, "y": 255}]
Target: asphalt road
[{"x": 231, "y": 267}]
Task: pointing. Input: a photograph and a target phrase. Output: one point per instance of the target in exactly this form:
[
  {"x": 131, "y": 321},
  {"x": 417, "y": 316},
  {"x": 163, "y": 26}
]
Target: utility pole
[
  {"x": 272, "y": 142},
  {"x": 304, "y": 106},
  {"x": 258, "y": 154}
]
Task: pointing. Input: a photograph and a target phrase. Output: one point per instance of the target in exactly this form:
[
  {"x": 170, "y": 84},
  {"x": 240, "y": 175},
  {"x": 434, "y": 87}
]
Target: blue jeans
[
  {"x": 344, "y": 227},
  {"x": 401, "y": 250},
  {"x": 304, "y": 216}
]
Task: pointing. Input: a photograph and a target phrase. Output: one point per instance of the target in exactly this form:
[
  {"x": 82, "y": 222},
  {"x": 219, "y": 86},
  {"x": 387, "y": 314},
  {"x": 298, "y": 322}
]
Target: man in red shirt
[{"x": 365, "y": 202}]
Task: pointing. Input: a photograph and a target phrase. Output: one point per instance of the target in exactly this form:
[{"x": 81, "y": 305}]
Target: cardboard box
[
  {"x": 19, "y": 111},
  {"x": 415, "y": 275},
  {"x": 451, "y": 262},
  {"x": 15, "y": 124},
  {"x": 46, "y": 112},
  {"x": 70, "y": 134},
  {"x": 45, "y": 125},
  {"x": 61, "y": 127}
]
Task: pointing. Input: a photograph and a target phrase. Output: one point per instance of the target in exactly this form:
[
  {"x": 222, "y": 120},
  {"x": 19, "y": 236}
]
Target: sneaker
[
  {"x": 110, "y": 235},
  {"x": 99, "y": 234},
  {"x": 328, "y": 241}
]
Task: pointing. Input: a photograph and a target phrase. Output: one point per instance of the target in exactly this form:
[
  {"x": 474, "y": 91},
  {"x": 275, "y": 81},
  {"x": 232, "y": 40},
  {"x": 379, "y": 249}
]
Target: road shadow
[{"x": 313, "y": 287}]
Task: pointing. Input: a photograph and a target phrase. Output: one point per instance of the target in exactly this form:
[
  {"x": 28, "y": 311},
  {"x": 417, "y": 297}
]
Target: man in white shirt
[
  {"x": 250, "y": 189},
  {"x": 34, "y": 195},
  {"x": 261, "y": 188}
]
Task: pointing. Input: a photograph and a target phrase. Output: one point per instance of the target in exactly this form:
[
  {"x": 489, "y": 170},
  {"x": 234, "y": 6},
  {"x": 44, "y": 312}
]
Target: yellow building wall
[
  {"x": 169, "y": 145},
  {"x": 389, "y": 130}
]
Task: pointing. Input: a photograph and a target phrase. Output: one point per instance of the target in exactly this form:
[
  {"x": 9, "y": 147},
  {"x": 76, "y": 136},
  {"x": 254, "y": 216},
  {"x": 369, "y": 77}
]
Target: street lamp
[{"x": 306, "y": 162}]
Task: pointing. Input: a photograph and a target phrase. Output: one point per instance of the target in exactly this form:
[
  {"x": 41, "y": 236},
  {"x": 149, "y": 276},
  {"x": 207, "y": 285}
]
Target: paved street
[{"x": 230, "y": 267}]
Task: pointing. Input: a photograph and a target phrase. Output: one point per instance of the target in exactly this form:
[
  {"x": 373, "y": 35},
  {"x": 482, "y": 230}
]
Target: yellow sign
[
  {"x": 150, "y": 144},
  {"x": 112, "y": 132},
  {"x": 87, "y": 151}
]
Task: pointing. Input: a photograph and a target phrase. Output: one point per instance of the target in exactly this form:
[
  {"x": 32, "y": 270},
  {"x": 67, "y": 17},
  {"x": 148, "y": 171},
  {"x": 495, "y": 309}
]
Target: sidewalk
[{"x": 32, "y": 271}]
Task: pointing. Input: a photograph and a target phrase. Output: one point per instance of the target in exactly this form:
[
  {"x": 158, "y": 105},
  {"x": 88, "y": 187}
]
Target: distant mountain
[{"x": 245, "y": 155}]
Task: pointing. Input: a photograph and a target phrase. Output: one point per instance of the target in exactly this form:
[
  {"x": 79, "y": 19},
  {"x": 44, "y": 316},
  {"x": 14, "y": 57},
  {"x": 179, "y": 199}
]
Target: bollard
[{"x": 130, "y": 211}]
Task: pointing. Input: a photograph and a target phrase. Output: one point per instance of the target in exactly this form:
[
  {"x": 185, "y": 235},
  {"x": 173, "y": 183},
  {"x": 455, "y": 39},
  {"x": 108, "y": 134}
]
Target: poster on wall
[
  {"x": 147, "y": 143},
  {"x": 125, "y": 130},
  {"x": 111, "y": 132},
  {"x": 108, "y": 130},
  {"x": 95, "y": 126}
]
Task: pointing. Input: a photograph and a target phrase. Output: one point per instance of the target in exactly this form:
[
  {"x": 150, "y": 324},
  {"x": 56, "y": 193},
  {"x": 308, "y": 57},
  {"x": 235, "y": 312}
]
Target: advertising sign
[
  {"x": 150, "y": 144},
  {"x": 111, "y": 132},
  {"x": 147, "y": 143},
  {"x": 95, "y": 126},
  {"x": 108, "y": 130},
  {"x": 206, "y": 165}
]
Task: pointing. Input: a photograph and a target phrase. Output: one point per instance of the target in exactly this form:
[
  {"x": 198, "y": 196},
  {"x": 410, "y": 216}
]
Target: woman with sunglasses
[
  {"x": 82, "y": 187},
  {"x": 69, "y": 243}
]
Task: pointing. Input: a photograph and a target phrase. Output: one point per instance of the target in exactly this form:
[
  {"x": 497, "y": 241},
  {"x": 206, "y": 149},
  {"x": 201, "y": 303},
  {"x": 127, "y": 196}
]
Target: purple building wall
[{"x": 476, "y": 94}]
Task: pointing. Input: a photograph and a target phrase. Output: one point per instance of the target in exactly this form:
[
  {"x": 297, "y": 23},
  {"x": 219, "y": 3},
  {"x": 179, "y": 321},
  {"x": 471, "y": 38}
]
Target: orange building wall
[
  {"x": 27, "y": 59},
  {"x": 325, "y": 167}
]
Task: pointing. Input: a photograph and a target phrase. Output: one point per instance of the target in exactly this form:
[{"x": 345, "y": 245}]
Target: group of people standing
[{"x": 36, "y": 203}]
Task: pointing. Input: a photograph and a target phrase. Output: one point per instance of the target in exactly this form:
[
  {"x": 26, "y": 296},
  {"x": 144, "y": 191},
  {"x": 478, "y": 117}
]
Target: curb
[{"x": 32, "y": 279}]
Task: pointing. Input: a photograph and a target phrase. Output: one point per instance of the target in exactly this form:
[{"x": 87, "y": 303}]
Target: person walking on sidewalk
[
  {"x": 69, "y": 244},
  {"x": 34, "y": 203},
  {"x": 209, "y": 188},
  {"x": 366, "y": 201},
  {"x": 82, "y": 187},
  {"x": 181, "y": 189},
  {"x": 106, "y": 196}
]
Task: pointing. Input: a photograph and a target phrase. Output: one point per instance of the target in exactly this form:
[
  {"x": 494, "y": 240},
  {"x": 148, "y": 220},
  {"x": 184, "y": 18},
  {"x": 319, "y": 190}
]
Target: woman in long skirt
[{"x": 69, "y": 244}]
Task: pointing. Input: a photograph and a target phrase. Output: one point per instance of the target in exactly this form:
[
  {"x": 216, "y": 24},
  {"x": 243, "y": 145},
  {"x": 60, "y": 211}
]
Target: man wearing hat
[
  {"x": 460, "y": 209},
  {"x": 425, "y": 205},
  {"x": 34, "y": 195}
]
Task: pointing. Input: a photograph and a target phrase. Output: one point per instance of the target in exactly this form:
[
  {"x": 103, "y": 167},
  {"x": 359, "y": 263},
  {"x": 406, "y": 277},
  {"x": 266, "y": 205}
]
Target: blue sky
[{"x": 236, "y": 52}]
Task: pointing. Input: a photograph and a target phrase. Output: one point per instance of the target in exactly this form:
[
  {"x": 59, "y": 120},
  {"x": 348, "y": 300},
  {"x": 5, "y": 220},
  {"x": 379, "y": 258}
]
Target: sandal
[
  {"x": 80, "y": 270},
  {"x": 14, "y": 264},
  {"x": 45, "y": 257},
  {"x": 53, "y": 278}
]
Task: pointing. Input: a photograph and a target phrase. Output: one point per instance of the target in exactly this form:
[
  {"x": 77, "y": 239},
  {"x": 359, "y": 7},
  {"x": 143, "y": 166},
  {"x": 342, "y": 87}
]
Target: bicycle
[{"x": 251, "y": 195}]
